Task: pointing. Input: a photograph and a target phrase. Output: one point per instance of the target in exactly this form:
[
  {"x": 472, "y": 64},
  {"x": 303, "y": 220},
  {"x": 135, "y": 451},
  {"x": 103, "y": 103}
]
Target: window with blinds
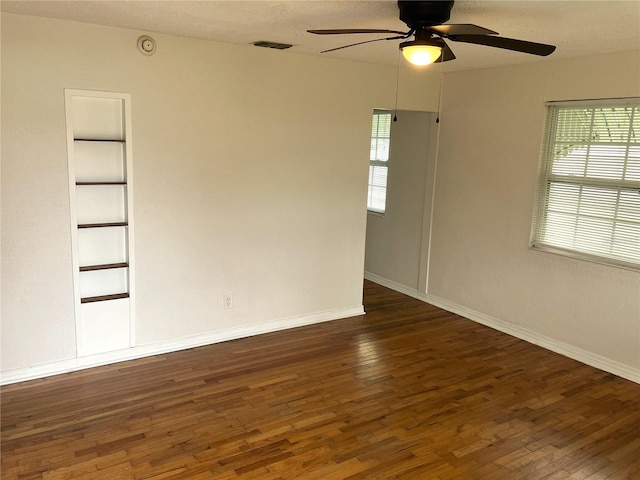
[
  {"x": 378, "y": 161},
  {"x": 588, "y": 196}
]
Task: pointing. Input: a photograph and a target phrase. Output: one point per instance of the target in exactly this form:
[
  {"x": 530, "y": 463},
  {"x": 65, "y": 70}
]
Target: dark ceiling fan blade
[
  {"x": 461, "y": 29},
  {"x": 353, "y": 30},
  {"x": 506, "y": 43},
  {"x": 447, "y": 54},
  {"x": 360, "y": 43}
]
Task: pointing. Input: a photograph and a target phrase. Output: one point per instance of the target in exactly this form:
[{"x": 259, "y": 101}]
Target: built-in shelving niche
[{"x": 100, "y": 173}]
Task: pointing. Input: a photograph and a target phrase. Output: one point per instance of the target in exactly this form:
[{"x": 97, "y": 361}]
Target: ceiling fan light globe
[{"x": 421, "y": 55}]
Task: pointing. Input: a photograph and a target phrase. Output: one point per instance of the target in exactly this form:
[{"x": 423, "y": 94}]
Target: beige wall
[
  {"x": 489, "y": 150},
  {"x": 475, "y": 246},
  {"x": 250, "y": 170},
  {"x": 250, "y": 178}
]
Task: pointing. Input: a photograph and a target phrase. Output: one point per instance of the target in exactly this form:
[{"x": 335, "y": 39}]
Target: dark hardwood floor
[{"x": 407, "y": 391}]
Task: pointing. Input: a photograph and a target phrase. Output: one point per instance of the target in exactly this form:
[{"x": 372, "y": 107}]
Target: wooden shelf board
[
  {"x": 106, "y": 266},
  {"x": 101, "y": 183},
  {"x": 103, "y": 298},
  {"x": 101, "y": 225}
]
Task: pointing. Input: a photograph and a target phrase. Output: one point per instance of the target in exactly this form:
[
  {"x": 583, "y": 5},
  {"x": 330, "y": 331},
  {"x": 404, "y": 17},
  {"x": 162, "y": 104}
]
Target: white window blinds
[
  {"x": 378, "y": 160},
  {"x": 588, "y": 196}
]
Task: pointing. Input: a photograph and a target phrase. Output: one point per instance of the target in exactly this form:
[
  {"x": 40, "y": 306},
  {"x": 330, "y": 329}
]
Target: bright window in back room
[
  {"x": 378, "y": 161},
  {"x": 588, "y": 197}
]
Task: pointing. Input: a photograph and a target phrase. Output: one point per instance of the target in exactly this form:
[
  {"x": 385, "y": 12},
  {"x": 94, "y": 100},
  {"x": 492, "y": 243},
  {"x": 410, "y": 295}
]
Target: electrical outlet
[{"x": 227, "y": 300}]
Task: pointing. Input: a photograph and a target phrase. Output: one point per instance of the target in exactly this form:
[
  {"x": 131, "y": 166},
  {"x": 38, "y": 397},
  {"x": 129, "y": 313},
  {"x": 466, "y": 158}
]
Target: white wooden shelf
[{"x": 98, "y": 138}]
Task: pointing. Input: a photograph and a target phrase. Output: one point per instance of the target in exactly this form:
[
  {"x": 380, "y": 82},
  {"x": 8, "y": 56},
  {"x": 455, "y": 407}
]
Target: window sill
[
  {"x": 634, "y": 267},
  {"x": 373, "y": 213}
]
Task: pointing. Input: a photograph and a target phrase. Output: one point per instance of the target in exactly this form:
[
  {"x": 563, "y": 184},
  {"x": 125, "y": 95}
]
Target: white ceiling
[{"x": 576, "y": 27}]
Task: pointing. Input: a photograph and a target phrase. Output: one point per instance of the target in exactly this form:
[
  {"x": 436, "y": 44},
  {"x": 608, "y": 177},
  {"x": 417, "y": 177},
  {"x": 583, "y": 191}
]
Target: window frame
[
  {"x": 546, "y": 178},
  {"x": 374, "y": 162}
]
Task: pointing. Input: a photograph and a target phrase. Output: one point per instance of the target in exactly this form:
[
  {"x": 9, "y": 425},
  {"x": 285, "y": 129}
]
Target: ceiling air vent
[{"x": 277, "y": 46}]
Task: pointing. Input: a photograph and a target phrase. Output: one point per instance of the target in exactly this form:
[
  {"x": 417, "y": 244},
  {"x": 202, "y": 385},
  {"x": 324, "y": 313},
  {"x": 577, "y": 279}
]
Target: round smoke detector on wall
[{"x": 147, "y": 45}]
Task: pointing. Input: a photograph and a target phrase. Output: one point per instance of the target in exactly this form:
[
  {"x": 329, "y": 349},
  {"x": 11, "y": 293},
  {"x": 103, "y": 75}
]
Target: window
[
  {"x": 588, "y": 197},
  {"x": 380, "y": 138}
]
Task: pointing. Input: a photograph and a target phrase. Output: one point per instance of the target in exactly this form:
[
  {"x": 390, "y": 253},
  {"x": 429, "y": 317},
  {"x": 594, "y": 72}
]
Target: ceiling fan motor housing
[{"x": 419, "y": 14}]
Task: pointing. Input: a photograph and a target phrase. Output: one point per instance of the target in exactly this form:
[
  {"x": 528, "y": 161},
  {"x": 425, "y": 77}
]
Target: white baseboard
[
  {"x": 398, "y": 287},
  {"x": 73, "y": 364},
  {"x": 563, "y": 348}
]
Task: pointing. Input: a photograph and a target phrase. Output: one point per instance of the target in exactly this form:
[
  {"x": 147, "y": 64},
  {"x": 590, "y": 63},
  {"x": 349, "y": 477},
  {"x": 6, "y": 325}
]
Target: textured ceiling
[{"x": 576, "y": 27}]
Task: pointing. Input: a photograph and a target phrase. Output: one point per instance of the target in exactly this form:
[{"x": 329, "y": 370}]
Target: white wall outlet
[{"x": 227, "y": 300}]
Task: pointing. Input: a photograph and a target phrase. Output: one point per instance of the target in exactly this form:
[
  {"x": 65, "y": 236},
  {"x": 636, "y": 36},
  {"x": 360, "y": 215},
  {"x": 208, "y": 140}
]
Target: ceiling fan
[{"x": 426, "y": 22}]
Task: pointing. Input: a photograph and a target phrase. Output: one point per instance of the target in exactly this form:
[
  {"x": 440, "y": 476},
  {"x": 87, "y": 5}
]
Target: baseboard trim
[
  {"x": 398, "y": 287},
  {"x": 73, "y": 364},
  {"x": 563, "y": 348}
]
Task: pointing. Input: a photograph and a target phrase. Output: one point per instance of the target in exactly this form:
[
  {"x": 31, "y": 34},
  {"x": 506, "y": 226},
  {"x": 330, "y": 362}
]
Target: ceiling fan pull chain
[
  {"x": 395, "y": 108},
  {"x": 440, "y": 92}
]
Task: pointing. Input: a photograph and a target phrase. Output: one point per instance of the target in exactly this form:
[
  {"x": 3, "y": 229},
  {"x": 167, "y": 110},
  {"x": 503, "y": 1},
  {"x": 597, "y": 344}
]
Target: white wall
[
  {"x": 250, "y": 179},
  {"x": 394, "y": 239},
  {"x": 478, "y": 262},
  {"x": 491, "y": 129}
]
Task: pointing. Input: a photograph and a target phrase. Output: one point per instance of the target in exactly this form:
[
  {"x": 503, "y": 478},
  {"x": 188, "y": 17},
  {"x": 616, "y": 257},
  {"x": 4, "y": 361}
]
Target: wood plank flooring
[{"x": 407, "y": 391}]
